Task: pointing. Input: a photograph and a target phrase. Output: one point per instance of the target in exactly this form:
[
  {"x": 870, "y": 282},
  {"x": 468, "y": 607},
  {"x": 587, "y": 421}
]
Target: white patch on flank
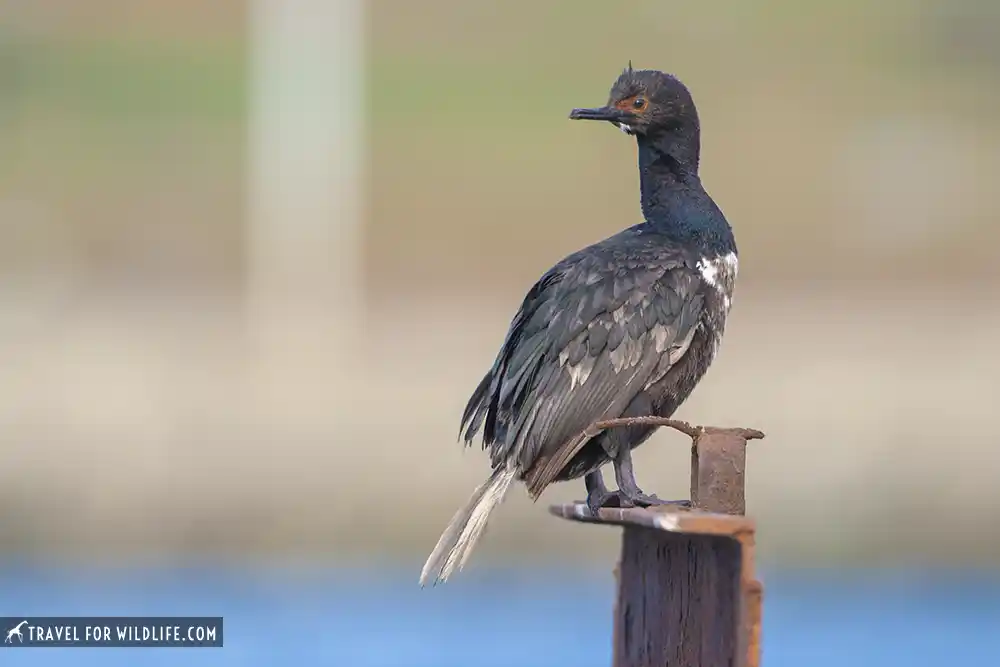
[
  {"x": 720, "y": 273},
  {"x": 732, "y": 262},
  {"x": 709, "y": 271}
]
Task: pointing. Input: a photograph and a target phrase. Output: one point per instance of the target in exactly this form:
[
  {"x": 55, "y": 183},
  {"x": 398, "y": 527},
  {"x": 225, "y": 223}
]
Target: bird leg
[
  {"x": 598, "y": 495},
  {"x": 630, "y": 495}
]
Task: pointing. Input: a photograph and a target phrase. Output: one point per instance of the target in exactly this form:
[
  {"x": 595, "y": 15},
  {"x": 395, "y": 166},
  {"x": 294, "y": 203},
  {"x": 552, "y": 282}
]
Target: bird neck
[
  {"x": 668, "y": 162},
  {"x": 673, "y": 199}
]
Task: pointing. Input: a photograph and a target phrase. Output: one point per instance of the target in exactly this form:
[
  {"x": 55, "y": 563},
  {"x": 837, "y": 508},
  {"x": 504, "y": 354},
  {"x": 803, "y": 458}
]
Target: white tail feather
[{"x": 466, "y": 527}]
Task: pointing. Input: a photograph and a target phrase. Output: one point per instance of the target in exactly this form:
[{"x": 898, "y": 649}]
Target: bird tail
[{"x": 466, "y": 527}]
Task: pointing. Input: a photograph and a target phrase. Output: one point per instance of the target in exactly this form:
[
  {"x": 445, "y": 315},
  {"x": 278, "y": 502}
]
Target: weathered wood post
[{"x": 687, "y": 594}]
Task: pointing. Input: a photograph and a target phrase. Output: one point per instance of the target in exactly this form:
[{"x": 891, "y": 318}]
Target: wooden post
[{"x": 687, "y": 595}]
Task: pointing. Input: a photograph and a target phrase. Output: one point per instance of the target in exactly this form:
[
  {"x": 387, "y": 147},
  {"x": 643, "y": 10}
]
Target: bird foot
[
  {"x": 643, "y": 500},
  {"x": 596, "y": 501}
]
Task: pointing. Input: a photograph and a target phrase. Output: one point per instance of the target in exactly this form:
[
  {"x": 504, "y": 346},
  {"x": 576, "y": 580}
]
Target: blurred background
[{"x": 255, "y": 255}]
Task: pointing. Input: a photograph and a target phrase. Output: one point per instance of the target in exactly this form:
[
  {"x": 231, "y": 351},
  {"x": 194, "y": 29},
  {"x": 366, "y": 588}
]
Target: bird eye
[{"x": 638, "y": 103}]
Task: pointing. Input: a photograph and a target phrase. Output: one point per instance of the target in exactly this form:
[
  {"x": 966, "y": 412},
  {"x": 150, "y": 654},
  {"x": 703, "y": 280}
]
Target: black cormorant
[{"x": 625, "y": 327}]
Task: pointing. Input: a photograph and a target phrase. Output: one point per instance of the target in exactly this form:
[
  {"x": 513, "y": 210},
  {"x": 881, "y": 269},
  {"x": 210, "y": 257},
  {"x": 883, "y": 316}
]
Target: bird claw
[
  {"x": 642, "y": 500},
  {"x": 647, "y": 500},
  {"x": 616, "y": 499},
  {"x": 596, "y": 501}
]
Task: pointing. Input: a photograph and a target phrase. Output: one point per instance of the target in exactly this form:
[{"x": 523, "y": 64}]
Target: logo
[
  {"x": 112, "y": 631},
  {"x": 16, "y": 630}
]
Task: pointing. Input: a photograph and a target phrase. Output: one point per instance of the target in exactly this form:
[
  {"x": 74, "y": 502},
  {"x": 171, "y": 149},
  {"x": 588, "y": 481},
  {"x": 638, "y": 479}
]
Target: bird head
[{"x": 645, "y": 103}]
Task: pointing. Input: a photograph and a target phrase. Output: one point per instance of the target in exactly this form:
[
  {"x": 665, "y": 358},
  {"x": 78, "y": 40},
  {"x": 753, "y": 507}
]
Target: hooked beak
[{"x": 610, "y": 114}]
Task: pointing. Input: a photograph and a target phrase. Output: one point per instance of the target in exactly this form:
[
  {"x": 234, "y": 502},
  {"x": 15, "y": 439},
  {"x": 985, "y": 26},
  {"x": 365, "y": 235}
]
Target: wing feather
[{"x": 593, "y": 333}]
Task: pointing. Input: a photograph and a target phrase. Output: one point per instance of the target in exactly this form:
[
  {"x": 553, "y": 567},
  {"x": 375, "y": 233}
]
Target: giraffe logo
[{"x": 16, "y": 630}]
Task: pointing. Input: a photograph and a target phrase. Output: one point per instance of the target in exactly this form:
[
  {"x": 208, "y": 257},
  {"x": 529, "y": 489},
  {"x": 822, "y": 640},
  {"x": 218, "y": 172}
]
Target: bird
[{"x": 626, "y": 327}]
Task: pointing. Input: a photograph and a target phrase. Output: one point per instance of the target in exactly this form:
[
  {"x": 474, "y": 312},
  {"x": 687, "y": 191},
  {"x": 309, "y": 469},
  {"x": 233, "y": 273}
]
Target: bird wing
[{"x": 595, "y": 331}]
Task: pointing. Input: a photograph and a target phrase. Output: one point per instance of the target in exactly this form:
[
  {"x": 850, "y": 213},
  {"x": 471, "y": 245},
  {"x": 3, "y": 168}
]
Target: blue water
[{"x": 497, "y": 619}]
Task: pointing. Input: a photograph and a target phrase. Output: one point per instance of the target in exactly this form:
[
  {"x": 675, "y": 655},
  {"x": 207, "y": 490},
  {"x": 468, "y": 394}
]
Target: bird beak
[{"x": 610, "y": 114}]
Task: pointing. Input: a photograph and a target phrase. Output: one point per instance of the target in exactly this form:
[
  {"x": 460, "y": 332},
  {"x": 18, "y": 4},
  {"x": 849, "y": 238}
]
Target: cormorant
[{"x": 626, "y": 327}]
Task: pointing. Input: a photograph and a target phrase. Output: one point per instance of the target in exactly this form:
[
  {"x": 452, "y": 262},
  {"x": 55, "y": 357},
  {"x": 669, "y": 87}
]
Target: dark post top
[{"x": 687, "y": 595}]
